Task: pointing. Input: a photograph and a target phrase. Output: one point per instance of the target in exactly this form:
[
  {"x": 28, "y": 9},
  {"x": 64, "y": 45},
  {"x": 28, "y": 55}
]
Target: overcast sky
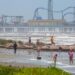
[{"x": 26, "y": 7}]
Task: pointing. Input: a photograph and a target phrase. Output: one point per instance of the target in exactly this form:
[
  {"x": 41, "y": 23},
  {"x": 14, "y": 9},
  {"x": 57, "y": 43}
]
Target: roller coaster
[{"x": 62, "y": 12}]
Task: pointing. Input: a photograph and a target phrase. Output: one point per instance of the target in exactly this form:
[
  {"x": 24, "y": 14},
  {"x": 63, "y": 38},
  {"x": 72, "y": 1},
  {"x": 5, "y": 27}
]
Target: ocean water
[
  {"x": 27, "y": 56},
  {"x": 58, "y": 39}
]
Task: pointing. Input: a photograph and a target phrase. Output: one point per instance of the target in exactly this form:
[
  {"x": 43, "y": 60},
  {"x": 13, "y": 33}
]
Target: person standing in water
[
  {"x": 15, "y": 47},
  {"x": 55, "y": 59},
  {"x": 70, "y": 53}
]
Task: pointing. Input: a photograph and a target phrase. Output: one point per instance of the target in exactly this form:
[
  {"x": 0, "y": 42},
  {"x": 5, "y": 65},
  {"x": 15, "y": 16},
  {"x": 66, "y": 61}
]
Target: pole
[{"x": 50, "y": 9}]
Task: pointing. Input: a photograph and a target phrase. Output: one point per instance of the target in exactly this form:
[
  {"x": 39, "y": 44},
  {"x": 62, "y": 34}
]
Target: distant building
[
  {"x": 51, "y": 27},
  {"x": 36, "y": 26}
]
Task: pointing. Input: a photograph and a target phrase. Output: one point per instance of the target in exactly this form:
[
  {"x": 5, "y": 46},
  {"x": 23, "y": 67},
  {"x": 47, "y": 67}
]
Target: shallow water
[{"x": 31, "y": 55}]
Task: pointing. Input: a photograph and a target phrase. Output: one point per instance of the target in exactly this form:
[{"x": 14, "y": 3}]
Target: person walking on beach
[
  {"x": 15, "y": 47},
  {"x": 70, "y": 53},
  {"x": 55, "y": 59}
]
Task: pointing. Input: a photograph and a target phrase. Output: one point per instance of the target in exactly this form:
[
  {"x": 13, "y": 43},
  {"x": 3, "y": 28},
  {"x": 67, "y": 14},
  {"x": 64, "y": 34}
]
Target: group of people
[
  {"x": 71, "y": 56},
  {"x": 70, "y": 53}
]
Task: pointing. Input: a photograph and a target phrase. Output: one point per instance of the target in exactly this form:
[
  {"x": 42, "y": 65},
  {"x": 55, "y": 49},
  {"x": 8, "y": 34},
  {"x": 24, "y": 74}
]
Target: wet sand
[{"x": 18, "y": 64}]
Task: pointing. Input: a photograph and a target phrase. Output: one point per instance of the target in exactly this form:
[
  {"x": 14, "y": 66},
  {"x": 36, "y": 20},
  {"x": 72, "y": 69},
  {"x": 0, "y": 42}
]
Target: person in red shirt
[{"x": 70, "y": 56}]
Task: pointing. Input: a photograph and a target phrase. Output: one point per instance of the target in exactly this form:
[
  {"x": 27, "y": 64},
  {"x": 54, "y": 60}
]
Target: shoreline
[
  {"x": 20, "y": 65},
  {"x": 47, "y": 50}
]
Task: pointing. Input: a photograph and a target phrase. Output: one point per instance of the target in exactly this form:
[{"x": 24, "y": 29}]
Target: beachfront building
[{"x": 46, "y": 27}]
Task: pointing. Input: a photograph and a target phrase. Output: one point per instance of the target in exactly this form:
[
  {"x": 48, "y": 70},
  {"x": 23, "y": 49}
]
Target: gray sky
[{"x": 26, "y": 7}]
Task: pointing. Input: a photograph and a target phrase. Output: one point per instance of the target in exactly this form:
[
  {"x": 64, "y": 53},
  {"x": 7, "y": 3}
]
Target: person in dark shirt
[
  {"x": 15, "y": 47},
  {"x": 55, "y": 59}
]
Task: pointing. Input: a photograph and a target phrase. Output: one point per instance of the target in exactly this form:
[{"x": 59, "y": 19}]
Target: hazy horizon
[{"x": 26, "y": 8}]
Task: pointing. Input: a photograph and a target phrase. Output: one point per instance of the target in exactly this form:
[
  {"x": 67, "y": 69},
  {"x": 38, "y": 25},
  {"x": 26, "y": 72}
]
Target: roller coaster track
[{"x": 36, "y": 13}]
